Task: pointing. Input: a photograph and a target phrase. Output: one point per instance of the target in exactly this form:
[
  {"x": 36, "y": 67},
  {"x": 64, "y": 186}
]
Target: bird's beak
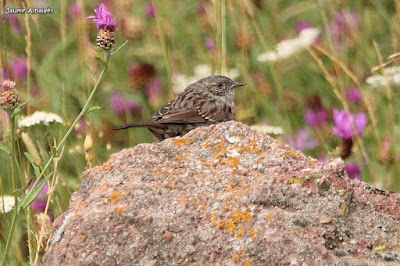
[{"x": 237, "y": 84}]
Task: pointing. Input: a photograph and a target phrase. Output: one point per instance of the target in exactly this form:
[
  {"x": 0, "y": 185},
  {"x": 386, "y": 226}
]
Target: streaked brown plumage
[{"x": 207, "y": 101}]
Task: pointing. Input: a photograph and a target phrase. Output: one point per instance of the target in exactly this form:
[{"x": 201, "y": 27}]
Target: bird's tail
[{"x": 149, "y": 124}]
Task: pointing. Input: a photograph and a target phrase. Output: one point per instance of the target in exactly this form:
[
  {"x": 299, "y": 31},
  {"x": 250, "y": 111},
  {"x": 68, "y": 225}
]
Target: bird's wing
[{"x": 197, "y": 108}]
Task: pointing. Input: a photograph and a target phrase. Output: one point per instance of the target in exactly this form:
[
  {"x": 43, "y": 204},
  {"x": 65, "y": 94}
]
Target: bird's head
[{"x": 221, "y": 86}]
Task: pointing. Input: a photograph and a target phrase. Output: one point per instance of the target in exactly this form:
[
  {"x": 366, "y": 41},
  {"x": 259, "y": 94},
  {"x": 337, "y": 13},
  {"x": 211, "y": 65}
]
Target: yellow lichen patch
[
  {"x": 116, "y": 196},
  {"x": 379, "y": 248},
  {"x": 82, "y": 237},
  {"x": 182, "y": 141},
  {"x": 120, "y": 210},
  {"x": 296, "y": 180}
]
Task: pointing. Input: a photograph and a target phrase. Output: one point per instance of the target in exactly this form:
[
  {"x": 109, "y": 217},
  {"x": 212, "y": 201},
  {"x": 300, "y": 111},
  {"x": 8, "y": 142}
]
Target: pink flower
[
  {"x": 154, "y": 90},
  {"x": 14, "y": 23},
  {"x": 353, "y": 95},
  {"x": 150, "y": 10},
  {"x": 302, "y": 141},
  {"x": 39, "y": 204},
  {"x": 103, "y": 19},
  {"x": 120, "y": 105},
  {"x": 354, "y": 171},
  {"x": 345, "y": 22},
  {"x": 18, "y": 68},
  {"x": 75, "y": 10},
  {"x": 210, "y": 44},
  {"x": 316, "y": 118},
  {"x": 344, "y": 124}
]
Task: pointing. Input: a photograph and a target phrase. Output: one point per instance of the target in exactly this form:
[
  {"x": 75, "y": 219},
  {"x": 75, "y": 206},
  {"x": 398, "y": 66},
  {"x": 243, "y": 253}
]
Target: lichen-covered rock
[{"x": 225, "y": 195}]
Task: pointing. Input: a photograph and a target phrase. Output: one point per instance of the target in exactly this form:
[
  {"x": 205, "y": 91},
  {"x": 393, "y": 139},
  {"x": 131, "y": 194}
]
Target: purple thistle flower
[
  {"x": 39, "y": 204},
  {"x": 103, "y": 19},
  {"x": 353, "y": 95},
  {"x": 18, "y": 68},
  {"x": 210, "y": 44},
  {"x": 354, "y": 171},
  {"x": 120, "y": 105},
  {"x": 344, "y": 124},
  {"x": 150, "y": 10},
  {"x": 154, "y": 90},
  {"x": 302, "y": 140},
  {"x": 316, "y": 118}
]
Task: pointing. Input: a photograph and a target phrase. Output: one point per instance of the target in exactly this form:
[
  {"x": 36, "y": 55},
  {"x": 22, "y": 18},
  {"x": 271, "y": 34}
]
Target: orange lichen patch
[
  {"x": 82, "y": 238},
  {"x": 253, "y": 147},
  {"x": 116, "y": 196},
  {"x": 269, "y": 218},
  {"x": 241, "y": 217},
  {"x": 221, "y": 224},
  {"x": 202, "y": 207},
  {"x": 231, "y": 226},
  {"x": 253, "y": 234},
  {"x": 177, "y": 260},
  {"x": 233, "y": 162},
  {"x": 120, "y": 210},
  {"x": 238, "y": 256},
  {"x": 182, "y": 141},
  {"x": 248, "y": 263},
  {"x": 214, "y": 219},
  {"x": 184, "y": 200},
  {"x": 180, "y": 158},
  {"x": 102, "y": 187},
  {"x": 57, "y": 247},
  {"x": 292, "y": 154},
  {"x": 239, "y": 234}
]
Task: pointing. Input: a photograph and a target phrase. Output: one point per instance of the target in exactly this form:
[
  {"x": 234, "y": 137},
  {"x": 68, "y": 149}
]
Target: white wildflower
[
  {"x": 287, "y": 48},
  {"x": 200, "y": 71},
  {"x": 38, "y": 118},
  {"x": 7, "y": 203},
  {"x": 391, "y": 76},
  {"x": 263, "y": 127}
]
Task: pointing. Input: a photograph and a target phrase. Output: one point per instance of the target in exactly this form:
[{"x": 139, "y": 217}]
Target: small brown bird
[{"x": 207, "y": 101}]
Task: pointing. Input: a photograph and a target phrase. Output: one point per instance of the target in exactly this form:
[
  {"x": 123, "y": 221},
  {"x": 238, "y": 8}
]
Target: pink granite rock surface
[{"x": 225, "y": 195}]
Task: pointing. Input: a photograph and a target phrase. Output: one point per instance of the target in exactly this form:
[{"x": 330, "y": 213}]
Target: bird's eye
[{"x": 219, "y": 84}]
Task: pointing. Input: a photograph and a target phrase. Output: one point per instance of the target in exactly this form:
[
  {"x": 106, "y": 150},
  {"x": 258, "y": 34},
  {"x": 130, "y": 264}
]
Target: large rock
[{"x": 225, "y": 195}]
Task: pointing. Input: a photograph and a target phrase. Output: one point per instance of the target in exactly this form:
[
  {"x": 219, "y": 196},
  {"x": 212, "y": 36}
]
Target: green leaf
[
  {"x": 93, "y": 108},
  {"x": 4, "y": 148},
  {"x": 118, "y": 48},
  {"x": 32, "y": 194},
  {"x": 32, "y": 161},
  {"x": 23, "y": 104},
  {"x": 102, "y": 62},
  {"x": 18, "y": 192}
]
